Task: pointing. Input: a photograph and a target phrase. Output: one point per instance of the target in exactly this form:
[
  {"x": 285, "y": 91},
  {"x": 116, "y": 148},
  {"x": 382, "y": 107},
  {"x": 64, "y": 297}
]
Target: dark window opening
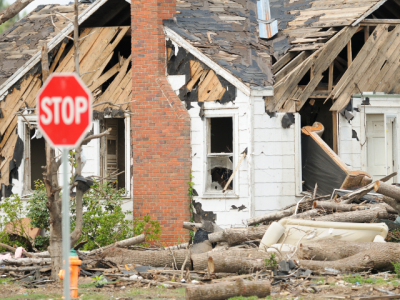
[
  {"x": 220, "y": 153},
  {"x": 37, "y": 158},
  {"x": 221, "y": 135},
  {"x": 113, "y": 152}
]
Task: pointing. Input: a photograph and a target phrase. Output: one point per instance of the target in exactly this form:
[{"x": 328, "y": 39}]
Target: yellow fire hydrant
[{"x": 74, "y": 270}]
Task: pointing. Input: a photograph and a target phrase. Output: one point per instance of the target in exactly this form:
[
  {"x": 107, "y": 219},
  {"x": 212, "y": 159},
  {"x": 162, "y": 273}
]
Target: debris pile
[{"x": 278, "y": 253}]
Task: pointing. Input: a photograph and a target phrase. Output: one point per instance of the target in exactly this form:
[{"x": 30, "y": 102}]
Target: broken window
[
  {"x": 112, "y": 152},
  {"x": 219, "y": 153}
]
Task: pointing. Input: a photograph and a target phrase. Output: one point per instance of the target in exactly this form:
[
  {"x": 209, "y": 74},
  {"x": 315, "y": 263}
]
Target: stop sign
[{"x": 64, "y": 106}]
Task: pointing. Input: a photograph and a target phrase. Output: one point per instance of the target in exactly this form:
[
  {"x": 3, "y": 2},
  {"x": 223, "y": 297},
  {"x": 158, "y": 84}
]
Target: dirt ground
[{"x": 351, "y": 287}]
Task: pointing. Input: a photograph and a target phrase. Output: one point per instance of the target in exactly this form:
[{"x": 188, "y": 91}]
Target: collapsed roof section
[{"x": 226, "y": 32}]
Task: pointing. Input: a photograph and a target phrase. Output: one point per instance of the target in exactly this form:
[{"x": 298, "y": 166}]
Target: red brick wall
[{"x": 160, "y": 126}]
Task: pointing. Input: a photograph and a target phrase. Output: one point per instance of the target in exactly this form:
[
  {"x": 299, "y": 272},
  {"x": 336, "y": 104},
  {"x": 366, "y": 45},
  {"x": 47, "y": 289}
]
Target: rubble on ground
[{"x": 306, "y": 248}]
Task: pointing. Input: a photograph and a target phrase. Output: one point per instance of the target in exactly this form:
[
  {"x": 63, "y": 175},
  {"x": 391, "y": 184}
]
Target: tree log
[
  {"x": 360, "y": 216},
  {"x": 27, "y": 261},
  {"x": 393, "y": 205},
  {"x": 13, "y": 10},
  {"x": 206, "y": 225},
  {"x": 124, "y": 243},
  {"x": 13, "y": 250},
  {"x": 121, "y": 256},
  {"x": 226, "y": 290},
  {"x": 271, "y": 216},
  {"x": 21, "y": 269},
  {"x": 391, "y": 194},
  {"x": 230, "y": 261},
  {"x": 304, "y": 215},
  {"x": 336, "y": 206},
  {"x": 236, "y": 236},
  {"x": 379, "y": 260},
  {"x": 331, "y": 249}
]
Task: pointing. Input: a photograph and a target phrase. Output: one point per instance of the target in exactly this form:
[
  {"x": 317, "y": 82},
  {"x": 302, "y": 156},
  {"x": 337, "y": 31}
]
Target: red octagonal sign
[{"x": 64, "y": 107}]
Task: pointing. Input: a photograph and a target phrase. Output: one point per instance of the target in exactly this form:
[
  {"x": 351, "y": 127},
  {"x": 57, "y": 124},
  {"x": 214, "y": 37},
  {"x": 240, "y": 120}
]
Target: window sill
[{"x": 219, "y": 196}]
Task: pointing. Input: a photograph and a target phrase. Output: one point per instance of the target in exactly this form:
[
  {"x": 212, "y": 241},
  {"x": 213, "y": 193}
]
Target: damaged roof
[
  {"x": 227, "y": 32},
  {"x": 22, "y": 41}
]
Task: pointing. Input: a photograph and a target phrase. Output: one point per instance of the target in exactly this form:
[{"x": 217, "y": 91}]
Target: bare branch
[
  {"x": 20, "y": 114},
  {"x": 63, "y": 16},
  {"x": 89, "y": 72},
  {"x": 13, "y": 10},
  {"x": 96, "y": 136},
  {"x": 87, "y": 36},
  {"x": 51, "y": 17}
]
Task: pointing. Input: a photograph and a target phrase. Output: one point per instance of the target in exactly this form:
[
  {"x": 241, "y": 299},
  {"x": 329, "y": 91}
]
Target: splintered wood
[{"x": 209, "y": 86}]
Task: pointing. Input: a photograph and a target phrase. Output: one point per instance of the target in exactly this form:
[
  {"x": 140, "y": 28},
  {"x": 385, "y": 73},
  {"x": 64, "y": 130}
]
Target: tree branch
[
  {"x": 96, "y": 136},
  {"x": 13, "y": 10}
]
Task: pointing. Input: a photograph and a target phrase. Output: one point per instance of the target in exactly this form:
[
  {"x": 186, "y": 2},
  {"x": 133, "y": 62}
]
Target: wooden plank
[
  {"x": 121, "y": 32},
  {"x": 374, "y": 22},
  {"x": 107, "y": 75},
  {"x": 330, "y": 77},
  {"x": 98, "y": 73},
  {"x": 325, "y": 58},
  {"x": 367, "y": 52},
  {"x": 366, "y": 33},
  {"x": 368, "y": 12},
  {"x": 283, "y": 61},
  {"x": 58, "y": 56},
  {"x": 349, "y": 54},
  {"x": 291, "y": 65},
  {"x": 111, "y": 88},
  {"x": 307, "y": 47},
  {"x": 372, "y": 56},
  {"x": 334, "y": 131}
]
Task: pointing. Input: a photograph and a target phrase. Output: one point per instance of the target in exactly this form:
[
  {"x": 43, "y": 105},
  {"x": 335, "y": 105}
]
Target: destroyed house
[{"x": 250, "y": 102}]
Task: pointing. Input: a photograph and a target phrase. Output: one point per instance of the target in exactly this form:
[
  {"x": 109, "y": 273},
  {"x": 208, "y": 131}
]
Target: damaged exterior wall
[
  {"x": 353, "y": 143},
  {"x": 266, "y": 180}
]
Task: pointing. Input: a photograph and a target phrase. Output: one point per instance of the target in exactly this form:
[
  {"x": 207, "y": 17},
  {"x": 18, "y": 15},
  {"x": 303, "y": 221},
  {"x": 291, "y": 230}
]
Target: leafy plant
[
  {"x": 151, "y": 228},
  {"x": 396, "y": 266},
  {"x": 100, "y": 280},
  {"x": 271, "y": 262},
  {"x": 37, "y": 209},
  {"x": 12, "y": 212}
]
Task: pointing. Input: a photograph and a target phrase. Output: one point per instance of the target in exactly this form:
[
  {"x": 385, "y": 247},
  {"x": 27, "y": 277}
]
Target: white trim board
[
  {"x": 209, "y": 62},
  {"x": 50, "y": 45}
]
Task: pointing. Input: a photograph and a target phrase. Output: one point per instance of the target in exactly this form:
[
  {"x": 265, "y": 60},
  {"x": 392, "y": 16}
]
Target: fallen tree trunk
[
  {"x": 230, "y": 261},
  {"x": 226, "y": 290},
  {"x": 21, "y": 269},
  {"x": 271, "y": 216},
  {"x": 391, "y": 194},
  {"x": 337, "y": 206},
  {"x": 236, "y": 236},
  {"x": 360, "y": 216},
  {"x": 206, "y": 225},
  {"x": 392, "y": 205},
  {"x": 331, "y": 250},
  {"x": 379, "y": 260},
  {"x": 27, "y": 261},
  {"x": 304, "y": 215},
  {"x": 121, "y": 256},
  {"x": 13, "y": 10},
  {"x": 13, "y": 250},
  {"x": 124, "y": 243}
]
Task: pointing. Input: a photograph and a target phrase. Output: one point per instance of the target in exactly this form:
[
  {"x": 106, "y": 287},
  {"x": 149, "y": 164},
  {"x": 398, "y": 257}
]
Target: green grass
[
  {"x": 362, "y": 280},
  {"x": 87, "y": 285},
  {"x": 5, "y": 281}
]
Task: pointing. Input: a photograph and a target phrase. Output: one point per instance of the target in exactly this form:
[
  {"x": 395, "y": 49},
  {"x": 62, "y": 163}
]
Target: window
[
  {"x": 112, "y": 152},
  {"x": 267, "y": 27},
  {"x": 220, "y": 153}
]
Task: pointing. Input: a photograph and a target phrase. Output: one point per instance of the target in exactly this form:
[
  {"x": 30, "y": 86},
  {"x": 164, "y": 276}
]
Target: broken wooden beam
[{"x": 234, "y": 236}]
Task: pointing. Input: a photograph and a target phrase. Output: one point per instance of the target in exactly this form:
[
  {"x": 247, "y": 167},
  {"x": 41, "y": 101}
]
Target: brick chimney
[{"x": 160, "y": 126}]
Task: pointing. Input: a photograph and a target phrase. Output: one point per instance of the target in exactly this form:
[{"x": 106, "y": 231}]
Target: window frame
[
  {"x": 214, "y": 113},
  {"x": 23, "y": 187}
]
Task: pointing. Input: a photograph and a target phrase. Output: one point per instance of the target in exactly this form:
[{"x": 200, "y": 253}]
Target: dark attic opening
[
  {"x": 111, "y": 13},
  {"x": 38, "y": 155},
  {"x": 219, "y": 153}
]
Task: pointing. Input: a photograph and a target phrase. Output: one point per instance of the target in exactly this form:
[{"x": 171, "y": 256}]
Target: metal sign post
[
  {"x": 64, "y": 107},
  {"x": 65, "y": 225}
]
